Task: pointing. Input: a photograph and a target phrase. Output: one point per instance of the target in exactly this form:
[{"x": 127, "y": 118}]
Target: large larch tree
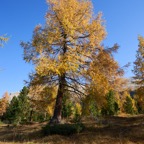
[
  {"x": 66, "y": 49},
  {"x": 139, "y": 73}
]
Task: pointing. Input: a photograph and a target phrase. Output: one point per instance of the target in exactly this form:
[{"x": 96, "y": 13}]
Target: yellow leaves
[
  {"x": 43, "y": 97},
  {"x": 63, "y": 64},
  {"x": 73, "y": 16},
  {"x": 78, "y": 108},
  {"x": 68, "y": 22},
  {"x": 3, "y": 39},
  {"x": 67, "y": 43},
  {"x": 140, "y": 96},
  {"x": 97, "y": 31},
  {"x": 105, "y": 67},
  {"x": 139, "y": 71},
  {"x": 103, "y": 73},
  {"x": 141, "y": 46},
  {"x": 4, "y": 103},
  {"x": 141, "y": 41},
  {"x": 99, "y": 86}
]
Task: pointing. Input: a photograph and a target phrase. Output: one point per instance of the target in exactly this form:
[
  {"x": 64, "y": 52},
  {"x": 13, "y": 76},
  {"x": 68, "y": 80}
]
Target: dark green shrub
[
  {"x": 103, "y": 111},
  {"x": 19, "y": 108},
  {"x": 112, "y": 106},
  {"x": 66, "y": 107},
  {"x": 94, "y": 111},
  {"x": 139, "y": 108},
  {"x": 128, "y": 105},
  {"x": 77, "y": 116},
  {"x": 62, "y": 129}
]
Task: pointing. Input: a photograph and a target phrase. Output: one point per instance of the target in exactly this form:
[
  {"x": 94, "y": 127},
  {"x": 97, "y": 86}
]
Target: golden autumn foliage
[
  {"x": 2, "y": 40},
  {"x": 67, "y": 51},
  {"x": 4, "y": 103},
  {"x": 139, "y": 97},
  {"x": 105, "y": 75},
  {"x": 139, "y": 63},
  {"x": 67, "y": 23},
  {"x": 78, "y": 108},
  {"x": 43, "y": 98},
  {"x": 139, "y": 73}
]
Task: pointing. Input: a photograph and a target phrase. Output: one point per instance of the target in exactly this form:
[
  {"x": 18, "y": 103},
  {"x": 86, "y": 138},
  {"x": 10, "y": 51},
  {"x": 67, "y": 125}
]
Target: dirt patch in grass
[{"x": 109, "y": 130}]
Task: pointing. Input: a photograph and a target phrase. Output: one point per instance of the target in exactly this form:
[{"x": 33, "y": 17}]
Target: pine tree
[
  {"x": 128, "y": 105},
  {"x": 67, "y": 106},
  {"x": 13, "y": 111},
  {"x": 19, "y": 108},
  {"x": 110, "y": 103},
  {"x": 24, "y": 104},
  {"x": 112, "y": 106}
]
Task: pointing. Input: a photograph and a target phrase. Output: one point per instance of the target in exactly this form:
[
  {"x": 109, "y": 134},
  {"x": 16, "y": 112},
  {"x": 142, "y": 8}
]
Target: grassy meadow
[{"x": 108, "y": 130}]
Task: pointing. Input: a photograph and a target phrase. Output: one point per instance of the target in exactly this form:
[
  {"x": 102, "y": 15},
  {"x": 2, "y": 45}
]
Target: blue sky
[{"x": 124, "y": 22}]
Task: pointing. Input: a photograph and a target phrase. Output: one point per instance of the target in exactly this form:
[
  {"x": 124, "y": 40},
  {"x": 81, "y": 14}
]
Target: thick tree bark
[{"x": 58, "y": 106}]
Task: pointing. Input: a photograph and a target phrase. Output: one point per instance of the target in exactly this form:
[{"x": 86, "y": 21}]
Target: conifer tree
[
  {"x": 111, "y": 107},
  {"x": 111, "y": 103},
  {"x": 67, "y": 106},
  {"x": 139, "y": 73},
  {"x": 13, "y": 111},
  {"x": 63, "y": 51},
  {"x": 128, "y": 105},
  {"x": 24, "y": 104},
  {"x": 19, "y": 108}
]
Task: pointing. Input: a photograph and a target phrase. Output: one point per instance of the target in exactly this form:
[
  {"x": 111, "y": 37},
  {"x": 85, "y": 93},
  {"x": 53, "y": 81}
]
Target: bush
[
  {"x": 66, "y": 107},
  {"x": 104, "y": 111},
  {"x": 63, "y": 129},
  {"x": 128, "y": 105},
  {"x": 77, "y": 116},
  {"x": 112, "y": 106}
]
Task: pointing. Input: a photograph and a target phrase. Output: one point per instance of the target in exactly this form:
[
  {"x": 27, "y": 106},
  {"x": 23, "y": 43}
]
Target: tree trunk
[
  {"x": 30, "y": 117},
  {"x": 62, "y": 82},
  {"x": 58, "y": 106}
]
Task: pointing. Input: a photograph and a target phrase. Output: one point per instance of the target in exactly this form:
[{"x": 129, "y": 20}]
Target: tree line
[{"x": 24, "y": 110}]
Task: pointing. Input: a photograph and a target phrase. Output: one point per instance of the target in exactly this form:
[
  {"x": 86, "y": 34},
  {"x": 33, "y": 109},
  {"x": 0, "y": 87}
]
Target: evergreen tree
[
  {"x": 94, "y": 109},
  {"x": 112, "y": 106},
  {"x": 13, "y": 111},
  {"x": 24, "y": 104},
  {"x": 19, "y": 108},
  {"x": 66, "y": 107},
  {"x": 110, "y": 103},
  {"x": 140, "y": 110},
  {"x": 128, "y": 105}
]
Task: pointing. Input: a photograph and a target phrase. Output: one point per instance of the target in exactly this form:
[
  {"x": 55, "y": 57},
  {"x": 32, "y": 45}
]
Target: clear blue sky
[{"x": 124, "y": 22}]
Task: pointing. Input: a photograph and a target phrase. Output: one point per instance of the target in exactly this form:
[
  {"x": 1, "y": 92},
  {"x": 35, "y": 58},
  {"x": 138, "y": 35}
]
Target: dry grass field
[{"x": 111, "y": 130}]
